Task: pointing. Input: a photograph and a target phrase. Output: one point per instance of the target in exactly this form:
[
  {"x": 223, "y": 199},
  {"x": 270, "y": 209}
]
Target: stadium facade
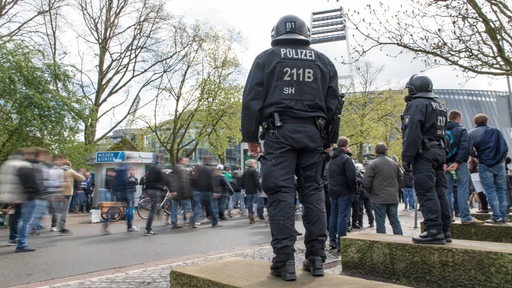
[{"x": 496, "y": 104}]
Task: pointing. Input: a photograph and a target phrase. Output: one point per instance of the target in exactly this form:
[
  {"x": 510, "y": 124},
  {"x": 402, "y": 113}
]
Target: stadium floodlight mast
[{"x": 331, "y": 26}]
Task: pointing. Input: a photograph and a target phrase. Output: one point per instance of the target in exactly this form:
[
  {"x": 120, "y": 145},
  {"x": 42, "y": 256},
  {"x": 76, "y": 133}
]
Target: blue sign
[{"x": 108, "y": 157}]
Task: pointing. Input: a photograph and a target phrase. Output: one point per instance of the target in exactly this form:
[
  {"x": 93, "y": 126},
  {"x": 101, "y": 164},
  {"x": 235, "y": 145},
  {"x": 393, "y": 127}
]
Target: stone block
[
  {"x": 485, "y": 216},
  {"x": 462, "y": 263},
  {"x": 248, "y": 273},
  {"x": 487, "y": 232}
]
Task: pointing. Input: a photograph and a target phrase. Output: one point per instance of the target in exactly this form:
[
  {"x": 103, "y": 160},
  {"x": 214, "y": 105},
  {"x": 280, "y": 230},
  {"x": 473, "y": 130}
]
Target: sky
[{"x": 255, "y": 19}]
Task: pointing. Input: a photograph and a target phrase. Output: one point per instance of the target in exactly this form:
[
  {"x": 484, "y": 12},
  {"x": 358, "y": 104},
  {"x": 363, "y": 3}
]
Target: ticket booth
[{"x": 110, "y": 160}]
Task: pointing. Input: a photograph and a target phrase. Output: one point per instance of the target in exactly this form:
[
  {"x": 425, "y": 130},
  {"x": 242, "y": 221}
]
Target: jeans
[
  {"x": 260, "y": 206},
  {"x": 88, "y": 202},
  {"x": 14, "y": 219},
  {"x": 129, "y": 199},
  {"x": 408, "y": 198},
  {"x": 237, "y": 197},
  {"x": 391, "y": 210},
  {"x": 462, "y": 182},
  {"x": 365, "y": 204},
  {"x": 59, "y": 211},
  {"x": 210, "y": 204},
  {"x": 196, "y": 206},
  {"x": 40, "y": 211},
  {"x": 27, "y": 214},
  {"x": 222, "y": 202},
  {"x": 250, "y": 203},
  {"x": 156, "y": 197},
  {"x": 214, "y": 208},
  {"x": 186, "y": 205},
  {"x": 340, "y": 213},
  {"x": 74, "y": 201},
  {"x": 495, "y": 186}
]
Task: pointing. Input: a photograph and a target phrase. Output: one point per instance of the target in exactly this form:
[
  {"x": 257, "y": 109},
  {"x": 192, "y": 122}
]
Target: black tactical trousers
[
  {"x": 430, "y": 185},
  {"x": 294, "y": 150}
]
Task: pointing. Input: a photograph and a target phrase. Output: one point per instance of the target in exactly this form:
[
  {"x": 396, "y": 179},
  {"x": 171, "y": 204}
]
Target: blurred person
[
  {"x": 76, "y": 198},
  {"x": 202, "y": 191},
  {"x": 237, "y": 199},
  {"x": 365, "y": 203},
  {"x": 32, "y": 181},
  {"x": 483, "y": 206},
  {"x": 43, "y": 202},
  {"x": 70, "y": 178},
  {"x": 88, "y": 188},
  {"x": 223, "y": 189},
  {"x": 261, "y": 203},
  {"x": 456, "y": 169},
  {"x": 181, "y": 193},
  {"x": 382, "y": 181},
  {"x": 109, "y": 185},
  {"x": 142, "y": 183},
  {"x": 356, "y": 200},
  {"x": 54, "y": 186},
  {"x": 408, "y": 190},
  {"x": 342, "y": 186},
  {"x": 252, "y": 185},
  {"x": 154, "y": 190},
  {"x": 488, "y": 145},
  {"x": 11, "y": 189},
  {"x": 129, "y": 199}
]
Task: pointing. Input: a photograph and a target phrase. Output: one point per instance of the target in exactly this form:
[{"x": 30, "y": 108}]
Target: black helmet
[
  {"x": 290, "y": 29},
  {"x": 418, "y": 84}
]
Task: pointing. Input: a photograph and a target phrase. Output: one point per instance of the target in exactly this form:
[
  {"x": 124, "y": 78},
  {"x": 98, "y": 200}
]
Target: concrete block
[
  {"x": 462, "y": 263},
  {"x": 485, "y": 216},
  {"x": 487, "y": 232},
  {"x": 247, "y": 273}
]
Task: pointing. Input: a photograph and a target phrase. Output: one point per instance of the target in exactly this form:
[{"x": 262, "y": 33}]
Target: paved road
[
  {"x": 87, "y": 259},
  {"x": 87, "y": 251}
]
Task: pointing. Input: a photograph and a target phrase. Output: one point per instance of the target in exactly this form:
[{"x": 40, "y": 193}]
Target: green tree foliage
[
  {"x": 473, "y": 35},
  {"x": 371, "y": 116},
  {"x": 32, "y": 111},
  {"x": 199, "y": 102}
]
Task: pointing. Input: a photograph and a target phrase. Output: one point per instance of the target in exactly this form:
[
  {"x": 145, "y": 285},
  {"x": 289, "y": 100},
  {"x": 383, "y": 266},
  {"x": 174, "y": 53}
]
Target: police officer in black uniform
[
  {"x": 292, "y": 93},
  {"x": 423, "y": 131}
]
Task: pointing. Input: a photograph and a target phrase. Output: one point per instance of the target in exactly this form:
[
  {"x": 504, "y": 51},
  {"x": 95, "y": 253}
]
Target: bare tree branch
[{"x": 473, "y": 35}]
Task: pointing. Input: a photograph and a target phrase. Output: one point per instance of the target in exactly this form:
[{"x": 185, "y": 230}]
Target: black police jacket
[
  {"x": 424, "y": 119},
  {"x": 295, "y": 81}
]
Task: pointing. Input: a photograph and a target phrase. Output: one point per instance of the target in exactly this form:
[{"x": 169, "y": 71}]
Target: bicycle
[{"x": 144, "y": 206}]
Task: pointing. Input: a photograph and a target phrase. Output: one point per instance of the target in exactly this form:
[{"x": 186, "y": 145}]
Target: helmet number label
[{"x": 289, "y": 26}]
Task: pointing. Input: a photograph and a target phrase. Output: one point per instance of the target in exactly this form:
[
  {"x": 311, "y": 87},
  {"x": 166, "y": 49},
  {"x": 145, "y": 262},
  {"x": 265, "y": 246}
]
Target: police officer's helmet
[
  {"x": 418, "y": 84},
  {"x": 290, "y": 29}
]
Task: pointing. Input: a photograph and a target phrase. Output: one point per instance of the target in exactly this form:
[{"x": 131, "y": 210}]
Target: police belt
[
  {"x": 433, "y": 144},
  {"x": 304, "y": 121}
]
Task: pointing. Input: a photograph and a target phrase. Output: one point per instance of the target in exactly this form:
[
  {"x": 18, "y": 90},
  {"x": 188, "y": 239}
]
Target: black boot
[
  {"x": 448, "y": 237},
  {"x": 285, "y": 270},
  {"x": 314, "y": 264},
  {"x": 429, "y": 237}
]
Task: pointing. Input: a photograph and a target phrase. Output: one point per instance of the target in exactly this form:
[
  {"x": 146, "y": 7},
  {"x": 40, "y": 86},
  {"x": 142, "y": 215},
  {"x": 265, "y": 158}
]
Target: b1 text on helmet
[{"x": 290, "y": 53}]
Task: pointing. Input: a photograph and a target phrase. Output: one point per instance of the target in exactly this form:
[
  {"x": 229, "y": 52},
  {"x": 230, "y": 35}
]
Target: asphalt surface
[{"x": 88, "y": 259}]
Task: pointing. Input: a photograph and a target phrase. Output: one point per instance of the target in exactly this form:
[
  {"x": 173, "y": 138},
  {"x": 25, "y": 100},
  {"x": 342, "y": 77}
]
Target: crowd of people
[{"x": 33, "y": 184}]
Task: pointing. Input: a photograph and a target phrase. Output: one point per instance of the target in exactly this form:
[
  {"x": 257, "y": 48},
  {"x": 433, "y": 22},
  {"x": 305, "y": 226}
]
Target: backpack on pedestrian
[{"x": 450, "y": 146}]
